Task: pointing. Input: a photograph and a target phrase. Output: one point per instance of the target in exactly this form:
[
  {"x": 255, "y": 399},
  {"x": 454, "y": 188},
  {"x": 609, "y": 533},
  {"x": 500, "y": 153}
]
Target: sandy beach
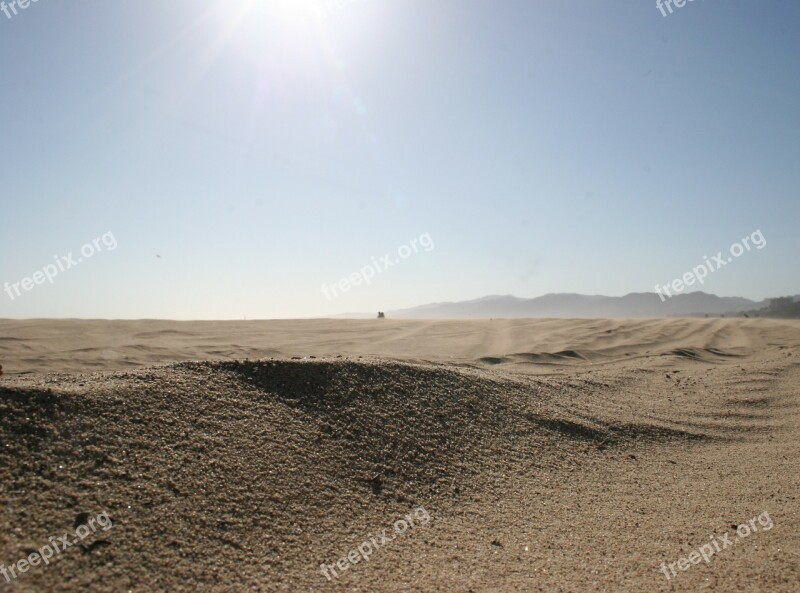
[
  {"x": 496, "y": 455},
  {"x": 506, "y": 297}
]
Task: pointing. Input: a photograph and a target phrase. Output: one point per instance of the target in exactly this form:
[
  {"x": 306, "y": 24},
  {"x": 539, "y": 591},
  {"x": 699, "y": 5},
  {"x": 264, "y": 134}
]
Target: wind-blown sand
[{"x": 550, "y": 455}]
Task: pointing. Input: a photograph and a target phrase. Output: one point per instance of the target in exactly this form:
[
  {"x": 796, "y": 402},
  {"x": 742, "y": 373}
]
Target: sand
[{"x": 530, "y": 455}]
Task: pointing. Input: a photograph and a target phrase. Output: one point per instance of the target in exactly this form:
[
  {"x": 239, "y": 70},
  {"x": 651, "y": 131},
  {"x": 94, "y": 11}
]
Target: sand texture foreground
[{"x": 531, "y": 455}]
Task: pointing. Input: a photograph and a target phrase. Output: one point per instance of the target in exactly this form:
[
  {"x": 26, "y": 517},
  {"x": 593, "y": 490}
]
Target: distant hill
[{"x": 578, "y": 305}]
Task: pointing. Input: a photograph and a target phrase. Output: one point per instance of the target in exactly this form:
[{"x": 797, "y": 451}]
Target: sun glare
[{"x": 297, "y": 27}]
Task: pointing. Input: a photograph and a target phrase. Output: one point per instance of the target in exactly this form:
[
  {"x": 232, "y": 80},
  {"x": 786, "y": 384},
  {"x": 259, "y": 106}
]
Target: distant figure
[{"x": 381, "y": 315}]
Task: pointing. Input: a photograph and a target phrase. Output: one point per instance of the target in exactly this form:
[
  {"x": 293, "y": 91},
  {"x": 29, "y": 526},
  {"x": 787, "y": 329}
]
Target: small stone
[{"x": 81, "y": 519}]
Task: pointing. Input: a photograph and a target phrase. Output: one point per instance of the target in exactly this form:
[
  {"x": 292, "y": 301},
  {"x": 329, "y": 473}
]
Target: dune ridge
[{"x": 247, "y": 474}]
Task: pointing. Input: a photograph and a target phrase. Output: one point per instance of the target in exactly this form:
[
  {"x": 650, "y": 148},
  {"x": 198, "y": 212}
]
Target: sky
[{"x": 198, "y": 159}]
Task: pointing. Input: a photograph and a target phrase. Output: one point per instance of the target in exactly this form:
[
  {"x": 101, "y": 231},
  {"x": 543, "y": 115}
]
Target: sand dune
[
  {"x": 552, "y": 455},
  {"x": 71, "y": 345}
]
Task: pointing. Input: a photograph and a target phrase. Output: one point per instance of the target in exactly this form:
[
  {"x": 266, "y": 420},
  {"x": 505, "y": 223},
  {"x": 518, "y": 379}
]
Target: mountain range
[{"x": 569, "y": 305}]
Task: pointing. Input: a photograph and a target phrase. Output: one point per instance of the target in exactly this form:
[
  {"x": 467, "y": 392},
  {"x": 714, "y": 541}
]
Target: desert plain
[{"x": 513, "y": 454}]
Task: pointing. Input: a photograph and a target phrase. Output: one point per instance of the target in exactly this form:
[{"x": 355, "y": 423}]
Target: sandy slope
[
  {"x": 548, "y": 455},
  {"x": 70, "y": 345}
]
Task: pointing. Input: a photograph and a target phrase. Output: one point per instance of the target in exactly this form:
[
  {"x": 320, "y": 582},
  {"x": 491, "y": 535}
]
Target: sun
[
  {"x": 292, "y": 13},
  {"x": 256, "y": 26}
]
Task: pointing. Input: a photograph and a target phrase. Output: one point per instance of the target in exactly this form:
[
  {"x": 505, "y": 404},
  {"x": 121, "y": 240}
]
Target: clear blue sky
[{"x": 244, "y": 153}]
